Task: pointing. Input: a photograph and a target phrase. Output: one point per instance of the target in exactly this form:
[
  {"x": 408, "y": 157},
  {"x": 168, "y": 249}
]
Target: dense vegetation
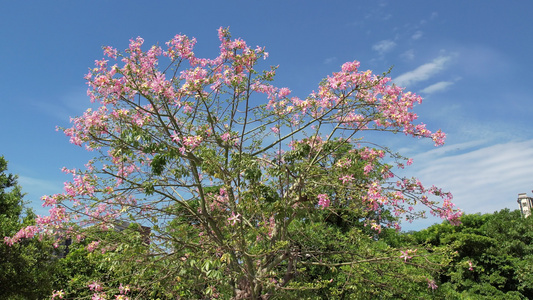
[
  {"x": 26, "y": 267},
  {"x": 488, "y": 256},
  {"x": 493, "y": 255}
]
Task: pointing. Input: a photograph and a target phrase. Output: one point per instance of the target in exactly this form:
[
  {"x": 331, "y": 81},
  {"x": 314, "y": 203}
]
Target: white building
[{"x": 525, "y": 204}]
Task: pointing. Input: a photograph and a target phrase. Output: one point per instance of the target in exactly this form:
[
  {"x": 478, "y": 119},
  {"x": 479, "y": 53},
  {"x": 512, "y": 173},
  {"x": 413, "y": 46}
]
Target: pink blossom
[
  {"x": 323, "y": 200},
  {"x": 234, "y": 218},
  {"x": 24, "y": 233},
  {"x": 431, "y": 284},
  {"x": 375, "y": 226},
  {"x": 187, "y": 108},
  {"x": 350, "y": 66},
  {"x": 92, "y": 246},
  {"x": 124, "y": 289},
  {"x": 180, "y": 47},
  {"x": 192, "y": 141},
  {"x": 58, "y": 294},
  {"x": 98, "y": 296},
  {"x": 283, "y": 92},
  {"x": 95, "y": 286},
  {"x": 397, "y": 226},
  {"x": 438, "y": 137},
  {"x": 406, "y": 255},
  {"x": 225, "y": 137},
  {"x": 346, "y": 178},
  {"x": 368, "y": 168},
  {"x": 344, "y": 163},
  {"x": 48, "y": 201},
  {"x": 111, "y": 52},
  {"x": 270, "y": 225}
]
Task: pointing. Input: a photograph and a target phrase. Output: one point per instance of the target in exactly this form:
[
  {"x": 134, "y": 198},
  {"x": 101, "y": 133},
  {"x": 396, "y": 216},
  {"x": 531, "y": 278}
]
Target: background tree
[
  {"x": 83, "y": 271},
  {"x": 25, "y": 268},
  {"x": 494, "y": 255},
  {"x": 231, "y": 185}
]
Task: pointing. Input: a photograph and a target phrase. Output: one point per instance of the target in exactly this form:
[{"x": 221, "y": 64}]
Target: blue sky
[{"x": 470, "y": 60}]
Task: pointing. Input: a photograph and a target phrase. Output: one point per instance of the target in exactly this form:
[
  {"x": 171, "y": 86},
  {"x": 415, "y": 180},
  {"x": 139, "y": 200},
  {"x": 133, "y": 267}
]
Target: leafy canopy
[{"x": 25, "y": 267}]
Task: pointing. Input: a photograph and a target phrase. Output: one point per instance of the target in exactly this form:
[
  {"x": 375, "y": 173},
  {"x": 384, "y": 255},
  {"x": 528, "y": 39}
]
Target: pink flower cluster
[
  {"x": 446, "y": 211},
  {"x": 24, "y": 233},
  {"x": 95, "y": 286},
  {"x": 346, "y": 92},
  {"x": 323, "y": 200},
  {"x": 92, "y": 246}
]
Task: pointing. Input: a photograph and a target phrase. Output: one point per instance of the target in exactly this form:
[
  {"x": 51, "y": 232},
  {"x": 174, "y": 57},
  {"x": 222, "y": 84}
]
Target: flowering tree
[{"x": 227, "y": 170}]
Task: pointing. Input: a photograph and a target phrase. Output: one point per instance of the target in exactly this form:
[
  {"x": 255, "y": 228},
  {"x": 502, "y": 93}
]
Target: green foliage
[
  {"x": 336, "y": 257},
  {"x": 25, "y": 267},
  {"x": 113, "y": 265},
  {"x": 494, "y": 255}
]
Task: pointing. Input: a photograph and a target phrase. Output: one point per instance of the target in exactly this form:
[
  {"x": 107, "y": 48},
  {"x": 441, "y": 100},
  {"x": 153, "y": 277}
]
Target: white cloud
[
  {"x": 330, "y": 60},
  {"x": 408, "y": 55},
  {"x": 417, "y": 35},
  {"x": 436, "y": 87},
  {"x": 30, "y": 184},
  {"x": 384, "y": 46},
  {"x": 432, "y": 17},
  {"x": 482, "y": 179},
  {"x": 423, "y": 72}
]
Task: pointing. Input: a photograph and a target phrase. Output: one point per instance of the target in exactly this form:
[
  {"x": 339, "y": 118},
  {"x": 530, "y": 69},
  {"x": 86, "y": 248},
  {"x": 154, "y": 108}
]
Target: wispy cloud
[
  {"x": 35, "y": 188},
  {"x": 432, "y": 17},
  {"x": 330, "y": 60},
  {"x": 417, "y": 35},
  {"x": 423, "y": 72},
  {"x": 483, "y": 179},
  {"x": 436, "y": 87},
  {"x": 73, "y": 103},
  {"x": 384, "y": 46},
  {"x": 408, "y": 55}
]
